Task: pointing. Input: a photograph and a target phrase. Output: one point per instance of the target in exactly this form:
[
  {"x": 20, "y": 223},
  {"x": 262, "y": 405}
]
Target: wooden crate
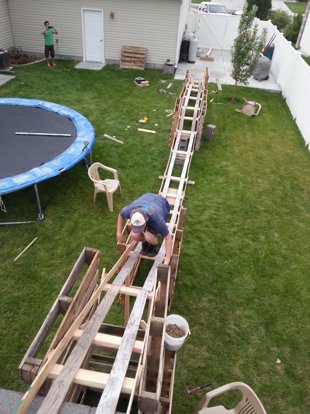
[{"x": 133, "y": 57}]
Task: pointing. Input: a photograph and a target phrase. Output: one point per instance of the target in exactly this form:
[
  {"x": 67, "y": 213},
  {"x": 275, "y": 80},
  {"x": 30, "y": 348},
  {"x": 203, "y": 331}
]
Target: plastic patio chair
[
  {"x": 249, "y": 403},
  {"x": 108, "y": 186},
  {"x": 250, "y": 108}
]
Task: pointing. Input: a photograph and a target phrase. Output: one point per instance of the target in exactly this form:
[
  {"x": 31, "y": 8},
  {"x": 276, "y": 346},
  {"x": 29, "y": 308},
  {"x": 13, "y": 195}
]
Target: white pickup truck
[{"x": 210, "y": 7}]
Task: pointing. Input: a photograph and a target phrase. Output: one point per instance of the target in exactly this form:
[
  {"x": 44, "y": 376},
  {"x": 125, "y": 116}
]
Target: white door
[{"x": 93, "y": 35}]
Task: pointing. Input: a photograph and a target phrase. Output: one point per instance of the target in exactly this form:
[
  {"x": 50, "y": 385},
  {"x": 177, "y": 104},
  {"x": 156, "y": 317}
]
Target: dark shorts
[{"x": 49, "y": 51}]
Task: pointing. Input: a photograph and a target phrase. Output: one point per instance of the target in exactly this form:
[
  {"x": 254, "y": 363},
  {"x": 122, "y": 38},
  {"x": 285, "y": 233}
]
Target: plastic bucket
[{"x": 172, "y": 343}]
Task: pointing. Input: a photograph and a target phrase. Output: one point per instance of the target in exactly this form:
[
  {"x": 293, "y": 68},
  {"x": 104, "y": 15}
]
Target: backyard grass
[
  {"x": 298, "y": 7},
  {"x": 243, "y": 279}
]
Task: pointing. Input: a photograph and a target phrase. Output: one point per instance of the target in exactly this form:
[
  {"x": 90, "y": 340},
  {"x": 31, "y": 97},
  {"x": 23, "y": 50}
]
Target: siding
[
  {"x": 153, "y": 24},
  {"x": 6, "y": 36}
]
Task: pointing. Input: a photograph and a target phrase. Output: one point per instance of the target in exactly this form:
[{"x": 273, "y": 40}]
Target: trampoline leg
[{"x": 40, "y": 215}]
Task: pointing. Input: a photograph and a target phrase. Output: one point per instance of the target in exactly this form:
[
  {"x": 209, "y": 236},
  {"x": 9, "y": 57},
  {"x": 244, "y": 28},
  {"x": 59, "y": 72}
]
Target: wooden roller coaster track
[{"x": 123, "y": 368}]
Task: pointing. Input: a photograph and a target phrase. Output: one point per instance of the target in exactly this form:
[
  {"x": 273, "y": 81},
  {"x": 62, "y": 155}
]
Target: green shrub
[
  {"x": 280, "y": 18},
  {"x": 306, "y": 59},
  {"x": 292, "y": 30}
]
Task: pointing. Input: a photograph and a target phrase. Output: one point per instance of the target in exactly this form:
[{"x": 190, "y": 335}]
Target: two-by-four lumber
[
  {"x": 108, "y": 341},
  {"x": 91, "y": 379}
]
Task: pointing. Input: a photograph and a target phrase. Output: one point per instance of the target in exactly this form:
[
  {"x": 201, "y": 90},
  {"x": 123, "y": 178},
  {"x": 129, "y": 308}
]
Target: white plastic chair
[
  {"x": 108, "y": 186},
  {"x": 249, "y": 403},
  {"x": 250, "y": 108}
]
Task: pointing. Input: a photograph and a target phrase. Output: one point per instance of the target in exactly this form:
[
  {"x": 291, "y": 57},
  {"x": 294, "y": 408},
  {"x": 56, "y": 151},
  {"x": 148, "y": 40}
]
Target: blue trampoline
[{"x": 39, "y": 140}]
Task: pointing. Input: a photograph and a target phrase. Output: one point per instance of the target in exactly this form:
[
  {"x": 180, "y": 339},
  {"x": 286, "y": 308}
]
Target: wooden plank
[
  {"x": 109, "y": 399},
  {"x": 92, "y": 379},
  {"x": 26, "y": 248},
  {"x": 108, "y": 341}
]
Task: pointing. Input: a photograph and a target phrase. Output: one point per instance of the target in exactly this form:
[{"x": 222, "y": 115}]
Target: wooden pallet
[{"x": 133, "y": 57}]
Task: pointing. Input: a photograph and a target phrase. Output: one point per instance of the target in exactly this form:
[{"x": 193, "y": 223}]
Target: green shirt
[{"x": 48, "y": 37}]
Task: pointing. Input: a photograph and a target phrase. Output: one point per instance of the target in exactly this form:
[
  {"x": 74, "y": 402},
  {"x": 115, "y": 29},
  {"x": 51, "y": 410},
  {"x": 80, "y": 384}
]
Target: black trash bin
[
  {"x": 184, "y": 50},
  {"x": 4, "y": 59}
]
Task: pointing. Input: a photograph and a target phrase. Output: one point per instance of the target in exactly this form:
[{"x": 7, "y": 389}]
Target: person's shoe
[
  {"x": 54, "y": 65},
  {"x": 145, "y": 248},
  {"x": 151, "y": 251},
  {"x": 49, "y": 65}
]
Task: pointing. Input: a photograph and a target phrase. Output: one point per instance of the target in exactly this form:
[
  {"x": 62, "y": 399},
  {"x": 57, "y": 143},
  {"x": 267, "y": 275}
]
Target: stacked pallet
[{"x": 133, "y": 57}]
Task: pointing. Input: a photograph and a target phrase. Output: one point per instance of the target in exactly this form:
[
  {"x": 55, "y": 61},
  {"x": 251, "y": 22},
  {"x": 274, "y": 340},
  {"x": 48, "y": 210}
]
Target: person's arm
[
  {"x": 168, "y": 247},
  {"x": 120, "y": 226},
  {"x": 55, "y": 31}
]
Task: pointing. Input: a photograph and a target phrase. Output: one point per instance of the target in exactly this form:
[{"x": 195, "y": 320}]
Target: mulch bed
[{"x": 22, "y": 59}]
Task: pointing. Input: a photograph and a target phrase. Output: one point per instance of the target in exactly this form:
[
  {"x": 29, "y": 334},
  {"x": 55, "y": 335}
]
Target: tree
[
  {"x": 263, "y": 8},
  {"x": 246, "y": 48},
  {"x": 291, "y": 31}
]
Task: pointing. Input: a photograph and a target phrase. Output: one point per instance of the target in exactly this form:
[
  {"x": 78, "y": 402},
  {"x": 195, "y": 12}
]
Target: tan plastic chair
[
  {"x": 250, "y": 108},
  {"x": 249, "y": 402},
  {"x": 108, "y": 186}
]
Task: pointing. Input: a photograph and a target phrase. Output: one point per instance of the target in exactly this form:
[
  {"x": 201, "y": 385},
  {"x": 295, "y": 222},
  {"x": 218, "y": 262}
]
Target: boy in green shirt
[{"x": 49, "y": 50}]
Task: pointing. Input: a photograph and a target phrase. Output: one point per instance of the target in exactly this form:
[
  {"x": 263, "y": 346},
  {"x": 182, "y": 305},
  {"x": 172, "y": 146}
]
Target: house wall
[
  {"x": 147, "y": 23},
  {"x": 6, "y": 36}
]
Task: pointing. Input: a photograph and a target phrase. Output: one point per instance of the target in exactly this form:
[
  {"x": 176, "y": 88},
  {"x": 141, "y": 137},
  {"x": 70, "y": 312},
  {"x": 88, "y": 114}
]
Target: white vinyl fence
[{"x": 289, "y": 70}]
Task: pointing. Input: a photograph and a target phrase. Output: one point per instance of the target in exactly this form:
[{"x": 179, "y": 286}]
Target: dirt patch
[
  {"x": 18, "y": 57},
  {"x": 22, "y": 59},
  {"x": 174, "y": 330}
]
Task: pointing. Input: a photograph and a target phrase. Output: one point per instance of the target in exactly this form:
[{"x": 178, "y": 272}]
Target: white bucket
[{"x": 171, "y": 343}]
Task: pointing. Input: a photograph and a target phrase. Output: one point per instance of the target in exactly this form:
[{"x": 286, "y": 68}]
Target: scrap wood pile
[{"x": 122, "y": 365}]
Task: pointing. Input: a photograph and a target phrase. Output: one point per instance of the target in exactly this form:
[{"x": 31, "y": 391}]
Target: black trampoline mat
[{"x": 21, "y": 153}]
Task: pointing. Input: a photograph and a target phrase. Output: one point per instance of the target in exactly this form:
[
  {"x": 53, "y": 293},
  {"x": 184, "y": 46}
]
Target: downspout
[{"x": 10, "y": 20}]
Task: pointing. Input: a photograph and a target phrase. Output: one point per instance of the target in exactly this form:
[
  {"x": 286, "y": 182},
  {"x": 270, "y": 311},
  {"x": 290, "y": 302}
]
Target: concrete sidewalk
[
  {"x": 9, "y": 400},
  {"x": 220, "y": 70},
  {"x": 5, "y": 78}
]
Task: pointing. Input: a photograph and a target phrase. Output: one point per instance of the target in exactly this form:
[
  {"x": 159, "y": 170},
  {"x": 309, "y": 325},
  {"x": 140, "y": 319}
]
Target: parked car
[{"x": 210, "y": 7}]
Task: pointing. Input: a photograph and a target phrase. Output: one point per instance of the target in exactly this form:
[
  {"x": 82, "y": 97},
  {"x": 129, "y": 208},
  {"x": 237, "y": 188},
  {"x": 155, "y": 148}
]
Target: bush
[
  {"x": 280, "y": 18},
  {"x": 292, "y": 30}
]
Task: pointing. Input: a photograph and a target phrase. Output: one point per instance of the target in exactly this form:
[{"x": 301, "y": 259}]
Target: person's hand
[{"x": 167, "y": 261}]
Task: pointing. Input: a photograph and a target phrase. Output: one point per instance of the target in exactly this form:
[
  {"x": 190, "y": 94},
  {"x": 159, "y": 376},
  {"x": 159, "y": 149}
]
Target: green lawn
[
  {"x": 243, "y": 280},
  {"x": 298, "y": 7}
]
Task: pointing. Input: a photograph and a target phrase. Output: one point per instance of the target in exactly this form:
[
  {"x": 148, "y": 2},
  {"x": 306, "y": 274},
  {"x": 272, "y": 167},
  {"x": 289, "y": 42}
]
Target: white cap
[{"x": 137, "y": 222}]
